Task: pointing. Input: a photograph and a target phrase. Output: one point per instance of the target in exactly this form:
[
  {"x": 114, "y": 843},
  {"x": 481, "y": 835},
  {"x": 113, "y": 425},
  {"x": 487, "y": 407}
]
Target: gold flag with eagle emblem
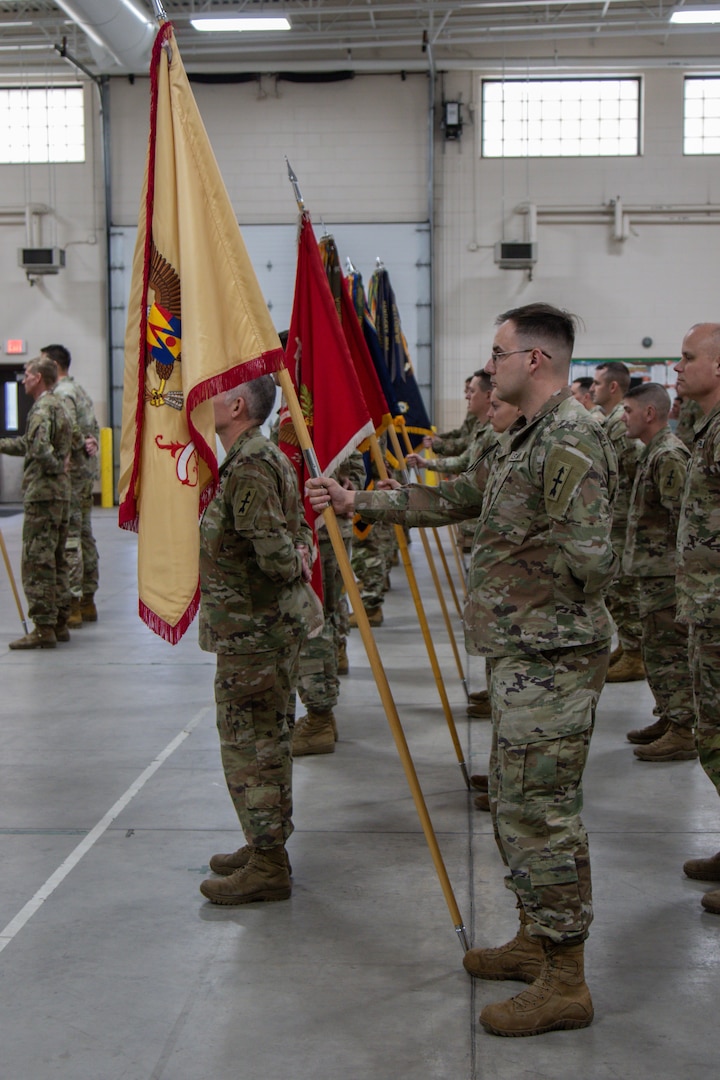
[{"x": 197, "y": 325}]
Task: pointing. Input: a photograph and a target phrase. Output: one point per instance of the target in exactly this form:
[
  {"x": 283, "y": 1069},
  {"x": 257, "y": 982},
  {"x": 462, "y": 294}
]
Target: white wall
[
  {"x": 655, "y": 284},
  {"x": 359, "y": 149},
  {"x": 68, "y": 308}
]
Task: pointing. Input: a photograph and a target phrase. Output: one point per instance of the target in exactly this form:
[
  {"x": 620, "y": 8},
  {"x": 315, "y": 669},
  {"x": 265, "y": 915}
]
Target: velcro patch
[
  {"x": 565, "y": 468},
  {"x": 242, "y": 507},
  {"x": 673, "y": 479}
]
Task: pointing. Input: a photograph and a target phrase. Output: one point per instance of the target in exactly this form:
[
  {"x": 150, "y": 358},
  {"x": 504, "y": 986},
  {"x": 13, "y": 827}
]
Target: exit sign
[{"x": 15, "y": 347}]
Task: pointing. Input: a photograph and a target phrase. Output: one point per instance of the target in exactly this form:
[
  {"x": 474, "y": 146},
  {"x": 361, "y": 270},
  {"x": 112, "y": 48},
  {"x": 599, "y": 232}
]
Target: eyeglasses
[{"x": 498, "y": 354}]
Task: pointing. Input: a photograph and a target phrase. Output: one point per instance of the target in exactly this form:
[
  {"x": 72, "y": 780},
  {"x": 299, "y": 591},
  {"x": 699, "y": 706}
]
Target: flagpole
[
  {"x": 438, "y": 586},
  {"x": 291, "y": 399},
  {"x": 13, "y": 586},
  {"x": 420, "y": 609}
]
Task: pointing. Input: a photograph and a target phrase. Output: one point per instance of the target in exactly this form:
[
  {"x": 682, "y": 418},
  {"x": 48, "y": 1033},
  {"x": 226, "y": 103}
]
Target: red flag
[
  {"x": 359, "y": 352},
  {"x": 322, "y": 370}
]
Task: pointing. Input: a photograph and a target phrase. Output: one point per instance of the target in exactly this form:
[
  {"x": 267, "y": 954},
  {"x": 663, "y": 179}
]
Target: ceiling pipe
[{"x": 120, "y": 34}]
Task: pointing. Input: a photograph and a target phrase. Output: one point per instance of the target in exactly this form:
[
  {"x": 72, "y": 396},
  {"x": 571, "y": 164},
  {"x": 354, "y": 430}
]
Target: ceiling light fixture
[
  {"x": 696, "y": 16},
  {"x": 240, "y": 23}
]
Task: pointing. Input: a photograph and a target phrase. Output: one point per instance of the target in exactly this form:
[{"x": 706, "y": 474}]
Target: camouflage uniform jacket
[
  {"x": 455, "y": 441},
  {"x": 653, "y": 520},
  {"x": 542, "y": 554},
  {"x": 82, "y": 415},
  {"x": 690, "y": 413},
  {"x": 698, "y": 538},
  {"x": 628, "y": 453},
  {"x": 253, "y": 597},
  {"x": 45, "y": 446},
  {"x": 481, "y": 438}
]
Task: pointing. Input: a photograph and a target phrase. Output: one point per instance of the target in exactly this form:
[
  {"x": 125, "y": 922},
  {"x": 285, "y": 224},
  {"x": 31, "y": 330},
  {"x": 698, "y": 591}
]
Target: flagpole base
[
  {"x": 462, "y": 938},
  {"x": 466, "y": 775},
  {"x": 465, "y": 688}
]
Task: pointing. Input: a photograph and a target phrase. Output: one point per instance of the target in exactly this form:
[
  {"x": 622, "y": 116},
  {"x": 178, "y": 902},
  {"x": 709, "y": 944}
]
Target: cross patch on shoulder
[
  {"x": 565, "y": 468},
  {"x": 673, "y": 481},
  {"x": 243, "y": 506}
]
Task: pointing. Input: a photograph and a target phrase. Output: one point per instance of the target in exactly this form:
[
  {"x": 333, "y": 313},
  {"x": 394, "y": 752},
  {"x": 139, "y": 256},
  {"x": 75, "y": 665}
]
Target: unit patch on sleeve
[
  {"x": 243, "y": 505},
  {"x": 565, "y": 469}
]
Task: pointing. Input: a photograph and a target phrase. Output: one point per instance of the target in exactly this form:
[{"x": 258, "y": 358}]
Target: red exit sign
[{"x": 15, "y": 347}]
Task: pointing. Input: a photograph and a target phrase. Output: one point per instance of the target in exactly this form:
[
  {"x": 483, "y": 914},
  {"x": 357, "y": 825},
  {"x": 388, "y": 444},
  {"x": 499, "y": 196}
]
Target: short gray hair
[{"x": 258, "y": 395}]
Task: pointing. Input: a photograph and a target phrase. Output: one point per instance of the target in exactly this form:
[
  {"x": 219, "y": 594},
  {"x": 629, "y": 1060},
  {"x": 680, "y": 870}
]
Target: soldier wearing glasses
[{"x": 541, "y": 559}]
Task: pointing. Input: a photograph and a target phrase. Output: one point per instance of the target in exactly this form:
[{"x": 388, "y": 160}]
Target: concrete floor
[{"x": 113, "y": 967}]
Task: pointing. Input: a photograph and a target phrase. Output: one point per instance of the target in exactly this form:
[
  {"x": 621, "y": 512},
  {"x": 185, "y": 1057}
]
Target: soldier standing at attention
[
  {"x": 650, "y": 558},
  {"x": 541, "y": 561},
  {"x": 611, "y": 383},
  {"x": 698, "y": 570},
  {"x": 254, "y": 563},
  {"x": 82, "y": 552},
  {"x": 46, "y": 505}
]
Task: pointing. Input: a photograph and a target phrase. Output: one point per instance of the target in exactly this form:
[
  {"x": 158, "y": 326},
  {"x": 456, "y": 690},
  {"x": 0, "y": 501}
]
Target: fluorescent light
[
  {"x": 240, "y": 23},
  {"x": 696, "y": 15}
]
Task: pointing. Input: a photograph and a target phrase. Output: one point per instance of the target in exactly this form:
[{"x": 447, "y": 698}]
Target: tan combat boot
[
  {"x": 629, "y": 668},
  {"x": 375, "y": 617},
  {"x": 521, "y": 959},
  {"x": 677, "y": 744},
  {"x": 75, "y": 618},
  {"x": 343, "y": 664},
  {"x": 478, "y": 696},
  {"x": 482, "y": 801},
  {"x": 703, "y": 869},
  {"x": 62, "y": 629},
  {"x": 42, "y": 637},
  {"x": 648, "y": 734},
  {"x": 314, "y": 734},
  {"x": 479, "y": 781},
  {"x": 558, "y": 1000},
  {"x": 264, "y": 878},
  {"x": 88, "y": 609},
  {"x": 479, "y": 707},
  {"x": 225, "y": 865},
  {"x": 711, "y": 902}
]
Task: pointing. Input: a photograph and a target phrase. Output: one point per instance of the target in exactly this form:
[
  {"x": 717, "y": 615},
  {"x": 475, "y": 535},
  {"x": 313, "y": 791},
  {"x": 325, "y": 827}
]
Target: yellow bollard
[{"x": 107, "y": 498}]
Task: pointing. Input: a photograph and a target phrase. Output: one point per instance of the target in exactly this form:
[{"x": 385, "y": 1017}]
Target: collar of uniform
[
  {"x": 555, "y": 400},
  {"x": 705, "y": 421},
  {"x": 615, "y": 413},
  {"x": 236, "y": 448}
]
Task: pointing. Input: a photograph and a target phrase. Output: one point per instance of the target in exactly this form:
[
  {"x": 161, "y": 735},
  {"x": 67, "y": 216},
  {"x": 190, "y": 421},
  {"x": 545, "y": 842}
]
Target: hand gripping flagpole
[
  {"x": 13, "y": 586},
  {"x": 366, "y": 633}
]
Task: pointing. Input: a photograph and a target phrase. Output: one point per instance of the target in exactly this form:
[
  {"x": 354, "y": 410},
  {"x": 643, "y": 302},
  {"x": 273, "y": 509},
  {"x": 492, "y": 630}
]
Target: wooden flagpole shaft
[
  {"x": 371, "y": 648},
  {"x": 422, "y": 617},
  {"x": 13, "y": 586},
  {"x": 441, "y": 595},
  {"x": 453, "y": 544}
]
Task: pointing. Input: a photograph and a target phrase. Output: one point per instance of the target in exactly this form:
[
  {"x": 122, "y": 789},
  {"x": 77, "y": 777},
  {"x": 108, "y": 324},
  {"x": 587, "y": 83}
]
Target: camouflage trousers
[
  {"x": 705, "y": 668},
  {"x": 543, "y": 710},
  {"x": 318, "y": 683},
  {"x": 665, "y": 655},
  {"x": 371, "y": 561},
  {"x": 623, "y": 604},
  {"x": 44, "y": 567},
  {"x": 81, "y": 549},
  {"x": 254, "y": 694}
]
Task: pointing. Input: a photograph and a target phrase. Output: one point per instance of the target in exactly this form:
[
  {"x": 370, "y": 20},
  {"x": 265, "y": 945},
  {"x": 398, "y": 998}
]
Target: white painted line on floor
[{"x": 26, "y": 913}]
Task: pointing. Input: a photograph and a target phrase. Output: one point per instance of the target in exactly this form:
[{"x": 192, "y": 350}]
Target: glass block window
[
  {"x": 560, "y": 117},
  {"x": 701, "y": 122},
  {"x": 42, "y": 125}
]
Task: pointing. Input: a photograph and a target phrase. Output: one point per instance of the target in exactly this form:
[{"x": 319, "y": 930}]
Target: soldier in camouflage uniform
[
  {"x": 481, "y": 437},
  {"x": 254, "y": 565},
  {"x": 610, "y": 384},
  {"x": 318, "y": 683},
  {"x": 698, "y": 570},
  {"x": 81, "y": 550},
  {"x": 455, "y": 441},
  {"x": 45, "y": 446},
  {"x": 649, "y": 557},
  {"x": 541, "y": 561}
]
